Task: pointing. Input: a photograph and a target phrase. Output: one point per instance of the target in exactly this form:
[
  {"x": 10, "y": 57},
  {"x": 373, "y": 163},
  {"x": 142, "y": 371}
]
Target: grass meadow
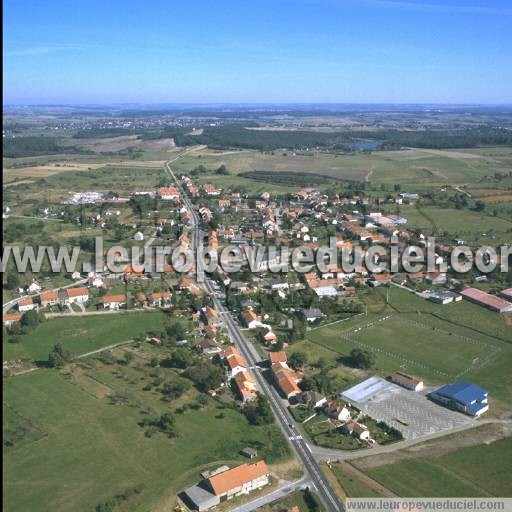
[{"x": 477, "y": 471}]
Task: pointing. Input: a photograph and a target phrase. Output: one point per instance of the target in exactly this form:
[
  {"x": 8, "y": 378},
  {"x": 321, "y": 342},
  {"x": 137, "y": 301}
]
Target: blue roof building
[{"x": 462, "y": 396}]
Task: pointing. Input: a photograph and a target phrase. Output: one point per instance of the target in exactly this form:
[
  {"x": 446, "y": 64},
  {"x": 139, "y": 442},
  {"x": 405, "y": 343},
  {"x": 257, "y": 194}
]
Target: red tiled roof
[{"x": 235, "y": 477}]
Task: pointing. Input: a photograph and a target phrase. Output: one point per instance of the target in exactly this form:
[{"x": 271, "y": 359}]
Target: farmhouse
[
  {"x": 487, "y": 300},
  {"x": 462, "y": 396},
  {"x": 245, "y": 386},
  {"x": 406, "y": 381},
  {"x": 240, "y": 480}
]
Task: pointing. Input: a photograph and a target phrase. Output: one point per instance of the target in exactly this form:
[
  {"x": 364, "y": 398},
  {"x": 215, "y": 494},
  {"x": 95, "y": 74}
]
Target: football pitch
[{"x": 421, "y": 344}]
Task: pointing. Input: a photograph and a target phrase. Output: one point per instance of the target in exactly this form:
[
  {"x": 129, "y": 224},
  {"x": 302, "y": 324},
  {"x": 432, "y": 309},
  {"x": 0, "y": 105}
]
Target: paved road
[
  {"x": 314, "y": 474},
  {"x": 279, "y": 493}
]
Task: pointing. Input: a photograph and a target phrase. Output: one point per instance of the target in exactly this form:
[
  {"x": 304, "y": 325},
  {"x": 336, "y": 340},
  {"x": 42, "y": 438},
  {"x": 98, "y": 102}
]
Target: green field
[
  {"x": 83, "y": 449},
  {"x": 353, "y": 486},
  {"x": 415, "y": 168},
  {"x": 468, "y": 225},
  {"x": 82, "y": 334},
  {"x": 482, "y": 470},
  {"x": 430, "y": 346},
  {"x": 480, "y": 341},
  {"x": 120, "y": 179}
]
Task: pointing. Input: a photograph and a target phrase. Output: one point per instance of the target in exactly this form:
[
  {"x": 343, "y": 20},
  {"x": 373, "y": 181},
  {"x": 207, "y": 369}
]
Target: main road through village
[{"x": 314, "y": 474}]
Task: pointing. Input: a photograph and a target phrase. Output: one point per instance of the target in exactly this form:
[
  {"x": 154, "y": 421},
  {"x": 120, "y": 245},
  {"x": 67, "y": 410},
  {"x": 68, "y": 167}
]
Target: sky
[{"x": 257, "y": 51}]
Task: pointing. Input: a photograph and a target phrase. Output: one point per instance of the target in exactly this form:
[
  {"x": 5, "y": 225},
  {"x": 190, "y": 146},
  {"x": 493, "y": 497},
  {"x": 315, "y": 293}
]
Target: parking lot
[{"x": 412, "y": 413}]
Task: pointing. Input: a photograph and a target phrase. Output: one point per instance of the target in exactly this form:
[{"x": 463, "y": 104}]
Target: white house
[{"x": 139, "y": 236}]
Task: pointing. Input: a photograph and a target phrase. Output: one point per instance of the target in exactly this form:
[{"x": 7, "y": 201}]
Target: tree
[
  {"x": 479, "y": 206},
  {"x": 362, "y": 358},
  {"x": 297, "y": 360},
  {"x": 259, "y": 411},
  {"x": 59, "y": 356},
  {"x": 181, "y": 358},
  {"x": 13, "y": 281},
  {"x": 166, "y": 424},
  {"x": 206, "y": 376}
]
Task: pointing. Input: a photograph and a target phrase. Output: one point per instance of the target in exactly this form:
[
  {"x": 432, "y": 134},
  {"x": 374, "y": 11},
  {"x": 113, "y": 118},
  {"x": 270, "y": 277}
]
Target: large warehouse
[{"x": 462, "y": 396}]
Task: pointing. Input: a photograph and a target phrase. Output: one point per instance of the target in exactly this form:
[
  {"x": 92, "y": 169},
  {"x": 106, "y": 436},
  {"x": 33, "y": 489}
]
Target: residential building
[
  {"x": 159, "y": 299},
  {"x": 26, "y": 304},
  {"x": 75, "y": 295},
  {"x": 114, "y": 302},
  {"x": 337, "y": 410},
  {"x": 10, "y": 318},
  {"x": 355, "y": 429},
  {"x": 286, "y": 380},
  {"x": 245, "y": 386},
  {"x": 49, "y": 298}
]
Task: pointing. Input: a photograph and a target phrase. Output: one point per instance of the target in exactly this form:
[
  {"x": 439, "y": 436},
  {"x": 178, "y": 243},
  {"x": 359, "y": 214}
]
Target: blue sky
[{"x": 363, "y": 51}]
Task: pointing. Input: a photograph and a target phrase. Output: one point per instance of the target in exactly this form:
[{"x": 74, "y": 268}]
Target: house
[
  {"x": 487, "y": 300},
  {"x": 286, "y": 380},
  {"x": 379, "y": 279},
  {"x": 34, "y": 287},
  {"x": 26, "y": 304},
  {"x": 336, "y": 410},
  {"x": 407, "y": 381},
  {"x": 270, "y": 336},
  {"x": 50, "y": 298},
  {"x": 113, "y": 302},
  {"x": 312, "y": 314},
  {"x": 211, "y": 316},
  {"x": 434, "y": 278},
  {"x": 277, "y": 357},
  {"x": 251, "y": 319},
  {"x": 462, "y": 396},
  {"x": 139, "y": 236},
  {"x": 355, "y": 429},
  {"x": 235, "y": 363},
  {"x": 245, "y": 386},
  {"x": 75, "y": 295},
  {"x": 10, "y": 318},
  {"x": 239, "y": 481},
  {"x": 209, "y": 346},
  {"x": 159, "y": 299},
  {"x": 168, "y": 193}
]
